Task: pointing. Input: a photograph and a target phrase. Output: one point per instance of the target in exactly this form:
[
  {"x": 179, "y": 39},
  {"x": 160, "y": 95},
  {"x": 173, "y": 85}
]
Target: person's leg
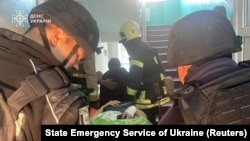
[
  {"x": 172, "y": 116},
  {"x": 151, "y": 114}
]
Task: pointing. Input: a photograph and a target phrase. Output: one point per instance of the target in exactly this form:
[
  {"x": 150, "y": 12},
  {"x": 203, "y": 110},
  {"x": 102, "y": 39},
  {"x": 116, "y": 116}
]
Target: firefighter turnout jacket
[
  {"x": 146, "y": 76},
  {"x": 85, "y": 79}
]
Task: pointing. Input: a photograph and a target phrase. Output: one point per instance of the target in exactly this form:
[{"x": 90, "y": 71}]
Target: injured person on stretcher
[{"x": 115, "y": 112}]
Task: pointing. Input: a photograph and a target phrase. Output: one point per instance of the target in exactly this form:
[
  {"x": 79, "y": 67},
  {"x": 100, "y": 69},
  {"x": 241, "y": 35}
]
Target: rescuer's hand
[{"x": 109, "y": 83}]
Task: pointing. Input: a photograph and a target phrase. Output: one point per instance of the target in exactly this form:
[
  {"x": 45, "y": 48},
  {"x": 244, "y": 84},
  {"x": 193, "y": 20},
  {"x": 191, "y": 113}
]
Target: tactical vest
[
  {"x": 31, "y": 95},
  {"x": 222, "y": 101}
]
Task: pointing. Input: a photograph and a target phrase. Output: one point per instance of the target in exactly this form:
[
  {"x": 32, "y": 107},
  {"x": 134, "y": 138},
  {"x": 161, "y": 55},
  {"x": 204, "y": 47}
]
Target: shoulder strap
[
  {"x": 191, "y": 102},
  {"x": 13, "y": 41},
  {"x": 226, "y": 81},
  {"x": 37, "y": 85}
]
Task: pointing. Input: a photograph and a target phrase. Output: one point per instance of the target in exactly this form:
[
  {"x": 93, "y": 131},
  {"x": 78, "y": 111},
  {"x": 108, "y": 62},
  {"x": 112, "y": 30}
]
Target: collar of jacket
[{"x": 211, "y": 70}]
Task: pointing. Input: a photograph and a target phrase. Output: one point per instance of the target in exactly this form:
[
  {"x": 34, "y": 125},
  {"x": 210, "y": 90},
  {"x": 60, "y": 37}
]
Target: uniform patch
[{"x": 84, "y": 115}]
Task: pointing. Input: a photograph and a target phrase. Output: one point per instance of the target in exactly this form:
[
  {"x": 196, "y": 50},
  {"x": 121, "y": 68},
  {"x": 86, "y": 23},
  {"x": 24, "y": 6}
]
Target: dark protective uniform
[
  {"x": 146, "y": 78},
  {"x": 118, "y": 75},
  {"x": 216, "y": 89},
  {"x": 36, "y": 87},
  {"x": 219, "y": 98}
]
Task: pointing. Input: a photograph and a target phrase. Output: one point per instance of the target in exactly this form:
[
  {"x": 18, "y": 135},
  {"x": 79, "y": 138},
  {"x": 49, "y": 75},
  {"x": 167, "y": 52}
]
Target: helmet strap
[
  {"x": 44, "y": 36},
  {"x": 46, "y": 44},
  {"x": 73, "y": 51}
]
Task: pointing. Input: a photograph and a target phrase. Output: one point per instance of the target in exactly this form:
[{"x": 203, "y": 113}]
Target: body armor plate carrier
[{"x": 225, "y": 100}]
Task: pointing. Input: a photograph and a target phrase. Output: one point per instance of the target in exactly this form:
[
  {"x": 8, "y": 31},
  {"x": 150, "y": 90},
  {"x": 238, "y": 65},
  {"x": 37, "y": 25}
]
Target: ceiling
[{"x": 111, "y": 14}]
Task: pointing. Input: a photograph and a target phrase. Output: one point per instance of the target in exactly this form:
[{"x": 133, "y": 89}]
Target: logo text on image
[{"x": 38, "y": 19}]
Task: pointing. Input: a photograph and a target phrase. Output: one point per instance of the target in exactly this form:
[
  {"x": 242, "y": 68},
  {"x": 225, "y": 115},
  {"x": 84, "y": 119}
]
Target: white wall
[
  {"x": 12, "y": 11},
  {"x": 101, "y": 60},
  {"x": 110, "y": 15},
  {"x": 110, "y": 49}
]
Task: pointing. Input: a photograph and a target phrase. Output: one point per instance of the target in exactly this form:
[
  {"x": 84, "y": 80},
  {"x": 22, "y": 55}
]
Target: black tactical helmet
[
  {"x": 201, "y": 36},
  {"x": 71, "y": 17}
]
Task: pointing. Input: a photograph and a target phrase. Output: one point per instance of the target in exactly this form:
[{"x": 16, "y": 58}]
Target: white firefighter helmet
[{"x": 129, "y": 30}]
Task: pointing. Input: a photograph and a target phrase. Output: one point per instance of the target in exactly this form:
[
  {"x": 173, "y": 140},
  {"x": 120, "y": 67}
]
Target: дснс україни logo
[{"x": 19, "y": 18}]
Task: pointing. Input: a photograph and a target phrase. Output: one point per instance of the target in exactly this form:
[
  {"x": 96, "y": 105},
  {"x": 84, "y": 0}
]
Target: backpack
[{"x": 43, "y": 97}]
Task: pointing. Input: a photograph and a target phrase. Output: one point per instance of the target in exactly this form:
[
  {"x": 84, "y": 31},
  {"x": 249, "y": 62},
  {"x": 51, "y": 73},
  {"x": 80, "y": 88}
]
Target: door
[{"x": 241, "y": 22}]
